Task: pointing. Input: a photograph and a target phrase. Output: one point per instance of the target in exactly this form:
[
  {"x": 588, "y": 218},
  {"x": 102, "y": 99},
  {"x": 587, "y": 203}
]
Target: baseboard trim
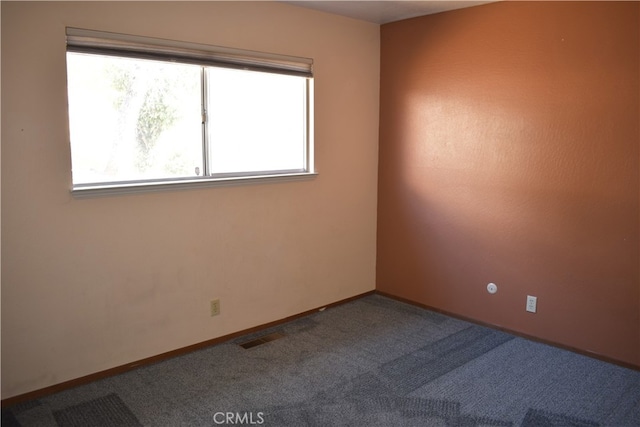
[
  {"x": 512, "y": 332},
  {"x": 56, "y": 388}
]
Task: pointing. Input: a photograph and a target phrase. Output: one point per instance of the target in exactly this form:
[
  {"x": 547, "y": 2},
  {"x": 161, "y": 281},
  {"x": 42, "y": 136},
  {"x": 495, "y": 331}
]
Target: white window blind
[{"x": 106, "y": 43}]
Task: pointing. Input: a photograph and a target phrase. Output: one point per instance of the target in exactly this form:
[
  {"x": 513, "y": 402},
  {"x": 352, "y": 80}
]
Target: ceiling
[{"x": 382, "y": 12}]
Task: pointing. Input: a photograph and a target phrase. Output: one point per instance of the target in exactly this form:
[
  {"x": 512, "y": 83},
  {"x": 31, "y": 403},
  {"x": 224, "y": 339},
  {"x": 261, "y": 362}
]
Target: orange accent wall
[{"x": 509, "y": 153}]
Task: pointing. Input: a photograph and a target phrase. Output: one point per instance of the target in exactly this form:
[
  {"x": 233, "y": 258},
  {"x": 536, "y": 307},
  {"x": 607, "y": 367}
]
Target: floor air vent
[{"x": 262, "y": 340}]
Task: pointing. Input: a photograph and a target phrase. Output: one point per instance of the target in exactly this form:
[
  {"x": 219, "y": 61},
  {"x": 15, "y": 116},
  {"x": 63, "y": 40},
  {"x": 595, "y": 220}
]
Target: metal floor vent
[{"x": 262, "y": 340}]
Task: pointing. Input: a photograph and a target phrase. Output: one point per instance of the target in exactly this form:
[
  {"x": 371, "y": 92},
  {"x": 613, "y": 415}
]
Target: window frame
[{"x": 138, "y": 47}]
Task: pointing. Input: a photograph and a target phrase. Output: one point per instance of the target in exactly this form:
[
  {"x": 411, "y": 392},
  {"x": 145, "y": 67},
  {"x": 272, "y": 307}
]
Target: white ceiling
[{"x": 382, "y": 12}]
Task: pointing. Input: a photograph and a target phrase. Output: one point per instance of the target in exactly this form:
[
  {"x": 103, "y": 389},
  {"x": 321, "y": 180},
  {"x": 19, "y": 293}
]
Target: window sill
[{"x": 101, "y": 190}]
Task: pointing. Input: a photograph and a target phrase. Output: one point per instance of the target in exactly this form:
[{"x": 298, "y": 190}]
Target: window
[{"x": 147, "y": 113}]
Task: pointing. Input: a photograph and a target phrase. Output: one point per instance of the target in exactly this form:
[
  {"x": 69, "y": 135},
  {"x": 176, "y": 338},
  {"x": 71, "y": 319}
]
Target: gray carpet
[
  {"x": 371, "y": 362},
  {"x": 103, "y": 411}
]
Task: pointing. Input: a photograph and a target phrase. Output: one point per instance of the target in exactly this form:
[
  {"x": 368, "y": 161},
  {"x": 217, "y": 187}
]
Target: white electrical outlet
[
  {"x": 532, "y": 303},
  {"x": 215, "y": 307}
]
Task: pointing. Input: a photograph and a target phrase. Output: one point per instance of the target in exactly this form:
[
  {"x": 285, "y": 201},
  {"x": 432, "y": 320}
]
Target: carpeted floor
[{"x": 371, "y": 362}]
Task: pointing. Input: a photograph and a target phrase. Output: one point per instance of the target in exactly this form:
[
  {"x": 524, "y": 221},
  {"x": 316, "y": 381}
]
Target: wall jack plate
[
  {"x": 532, "y": 304},
  {"x": 215, "y": 307}
]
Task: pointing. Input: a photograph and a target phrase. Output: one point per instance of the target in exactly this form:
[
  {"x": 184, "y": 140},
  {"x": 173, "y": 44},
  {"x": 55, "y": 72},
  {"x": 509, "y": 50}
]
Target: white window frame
[{"x": 120, "y": 45}]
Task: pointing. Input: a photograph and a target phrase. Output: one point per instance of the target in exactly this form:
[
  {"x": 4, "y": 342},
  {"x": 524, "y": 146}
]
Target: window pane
[
  {"x": 256, "y": 121},
  {"x": 133, "y": 119}
]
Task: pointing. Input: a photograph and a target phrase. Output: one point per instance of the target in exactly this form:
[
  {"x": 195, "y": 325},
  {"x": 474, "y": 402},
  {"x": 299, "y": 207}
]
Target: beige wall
[
  {"x": 95, "y": 283},
  {"x": 509, "y": 146}
]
